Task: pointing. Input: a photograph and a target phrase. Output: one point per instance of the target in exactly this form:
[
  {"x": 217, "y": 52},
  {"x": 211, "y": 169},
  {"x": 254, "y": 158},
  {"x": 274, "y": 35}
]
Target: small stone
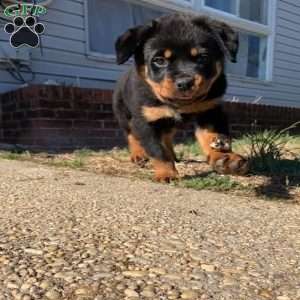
[
  {"x": 228, "y": 281},
  {"x": 99, "y": 276},
  {"x": 11, "y": 286},
  {"x": 173, "y": 294},
  {"x": 283, "y": 298},
  {"x": 173, "y": 277},
  {"x": 131, "y": 293},
  {"x": 53, "y": 295},
  {"x": 208, "y": 268},
  {"x": 82, "y": 291},
  {"x": 25, "y": 287},
  {"x": 33, "y": 251},
  {"x": 265, "y": 294},
  {"x": 159, "y": 271},
  {"x": 195, "y": 256},
  {"x": 147, "y": 293},
  {"x": 120, "y": 287},
  {"x": 134, "y": 273},
  {"x": 18, "y": 296},
  {"x": 189, "y": 295},
  {"x": 198, "y": 275},
  {"x": 45, "y": 284}
]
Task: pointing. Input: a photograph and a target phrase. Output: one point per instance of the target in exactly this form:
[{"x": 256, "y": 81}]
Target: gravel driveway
[{"x": 67, "y": 234}]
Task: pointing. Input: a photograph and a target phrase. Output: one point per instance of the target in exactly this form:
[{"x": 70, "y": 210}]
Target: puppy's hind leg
[
  {"x": 137, "y": 152},
  {"x": 167, "y": 142}
]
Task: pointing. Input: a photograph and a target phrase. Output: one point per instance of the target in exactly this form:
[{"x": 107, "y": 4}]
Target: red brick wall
[{"x": 65, "y": 118}]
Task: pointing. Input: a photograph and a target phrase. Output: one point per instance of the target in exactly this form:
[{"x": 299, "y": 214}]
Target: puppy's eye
[
  {"x": 202, "y": 58},
  {"x": 160, "y": 62}
]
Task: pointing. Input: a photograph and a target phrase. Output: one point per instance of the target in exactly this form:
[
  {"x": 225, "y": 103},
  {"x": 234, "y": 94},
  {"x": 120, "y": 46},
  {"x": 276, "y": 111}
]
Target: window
[
  {"x": 251, "y": 57},
  {"x": 253, "y": 10},
  {"x": 254, "y": 19},
  {"x": 110, "y": 18},
  {"x": 227, "y": 5}
]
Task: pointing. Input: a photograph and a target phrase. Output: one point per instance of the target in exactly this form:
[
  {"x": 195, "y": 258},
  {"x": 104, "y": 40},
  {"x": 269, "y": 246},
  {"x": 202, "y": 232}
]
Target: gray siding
[
  {"x": 285, "y": 87},
  {"x": 64, "y": 56}
]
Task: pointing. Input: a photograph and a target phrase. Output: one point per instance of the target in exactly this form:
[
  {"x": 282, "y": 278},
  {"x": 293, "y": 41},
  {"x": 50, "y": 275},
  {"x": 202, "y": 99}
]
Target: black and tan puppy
[{"x": 178, "y": 75}]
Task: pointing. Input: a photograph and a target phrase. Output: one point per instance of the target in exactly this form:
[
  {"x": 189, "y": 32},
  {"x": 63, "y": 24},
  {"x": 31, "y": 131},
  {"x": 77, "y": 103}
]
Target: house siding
[{"x": 64, "y": 57}]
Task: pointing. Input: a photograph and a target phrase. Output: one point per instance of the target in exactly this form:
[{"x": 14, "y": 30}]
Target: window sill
[
  {"x": 108, "y": 59},
  {"x": 101, "y": 57},
  {"x": 245, "y": 79}
]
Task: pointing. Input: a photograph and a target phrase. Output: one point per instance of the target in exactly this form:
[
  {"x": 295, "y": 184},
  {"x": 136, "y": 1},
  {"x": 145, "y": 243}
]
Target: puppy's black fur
[{"x": 178, "y": 74}]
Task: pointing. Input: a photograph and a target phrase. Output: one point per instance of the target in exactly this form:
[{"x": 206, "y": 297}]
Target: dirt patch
[{"x": 194, "y": 172}]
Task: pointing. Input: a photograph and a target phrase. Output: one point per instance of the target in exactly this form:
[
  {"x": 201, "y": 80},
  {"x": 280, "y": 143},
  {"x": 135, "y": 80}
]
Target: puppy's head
[{"x": 180, "y": 56}]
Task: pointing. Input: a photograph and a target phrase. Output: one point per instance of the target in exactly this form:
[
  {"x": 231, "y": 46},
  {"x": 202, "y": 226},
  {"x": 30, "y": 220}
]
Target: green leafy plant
[{"x": 269, "y": 151}]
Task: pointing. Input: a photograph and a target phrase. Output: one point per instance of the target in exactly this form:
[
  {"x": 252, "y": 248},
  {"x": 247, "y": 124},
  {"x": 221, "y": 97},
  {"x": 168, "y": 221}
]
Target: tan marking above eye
[
  {"x": 168, "y": 53},
  {"x": 197, "y": 51},
  {"x": 194, "y": 52}
]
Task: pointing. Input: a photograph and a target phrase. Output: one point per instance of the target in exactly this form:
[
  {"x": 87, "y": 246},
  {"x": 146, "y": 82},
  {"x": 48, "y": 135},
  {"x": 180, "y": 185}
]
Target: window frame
[{"x": 265, "y": 30}]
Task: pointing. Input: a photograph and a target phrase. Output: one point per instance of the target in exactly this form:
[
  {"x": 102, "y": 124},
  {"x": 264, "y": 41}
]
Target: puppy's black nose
[{"x": 184, "y": 84}]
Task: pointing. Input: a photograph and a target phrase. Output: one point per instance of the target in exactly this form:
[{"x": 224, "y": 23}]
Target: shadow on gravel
[{"x": 283, "y": 176}]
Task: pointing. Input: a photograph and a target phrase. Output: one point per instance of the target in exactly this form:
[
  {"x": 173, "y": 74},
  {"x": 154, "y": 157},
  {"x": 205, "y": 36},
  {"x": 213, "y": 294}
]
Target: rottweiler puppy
[{"x": 178, "y": 75}]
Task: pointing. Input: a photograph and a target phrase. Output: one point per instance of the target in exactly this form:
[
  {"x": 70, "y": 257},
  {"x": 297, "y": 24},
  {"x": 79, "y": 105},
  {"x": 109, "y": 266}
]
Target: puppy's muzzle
[{"x": 184, "y": 84}]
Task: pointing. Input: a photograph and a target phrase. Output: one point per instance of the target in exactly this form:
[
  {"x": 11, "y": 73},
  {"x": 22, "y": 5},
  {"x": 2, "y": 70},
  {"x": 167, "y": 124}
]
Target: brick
[
  {"x": 102, "y": 133},
  {"x": 46, "y": 113},
  {"x": 70, "y": 117},
  {"x": 85, "y": 105},
  {"x": 87, "y": 124},
  {"x": 9, "y": 107},
  {"x": 110, "y": 124},
  {"x": 107, "y": 108},
  {"x": 7, "y": 117},
  {"x": 24, "y": 104},
  {"x": 52, "y": 104},
  {"x": 100, "y": 116},
  {"x": 10, "y": 133},
  {"x": 30, "y": 92},
  {"x": 71, "y": 114},
  {"x": 12, "y": 124},
  {"x": 18, "y": 115},
  {"x": 36, "y": 123},
  {"x": 65, "y": 93}
]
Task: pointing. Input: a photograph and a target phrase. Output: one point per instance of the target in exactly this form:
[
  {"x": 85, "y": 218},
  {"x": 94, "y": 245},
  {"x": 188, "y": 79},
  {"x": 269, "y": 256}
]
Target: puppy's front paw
[
  {"x": 229, "y": 163},
  {"x": 165, "y": 172}
]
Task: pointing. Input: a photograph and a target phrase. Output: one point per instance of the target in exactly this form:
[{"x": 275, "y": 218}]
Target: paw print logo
[{"x": 24, "y": 32}]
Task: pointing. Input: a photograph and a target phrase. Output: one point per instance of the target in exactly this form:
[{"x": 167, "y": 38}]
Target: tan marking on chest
[
  {"x": 155, "y": 113},
  {"x": 199, "y": 106}
]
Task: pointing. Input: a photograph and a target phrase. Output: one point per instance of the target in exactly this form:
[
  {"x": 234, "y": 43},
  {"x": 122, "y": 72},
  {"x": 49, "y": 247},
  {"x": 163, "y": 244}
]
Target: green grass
[
  {"x": 14, "y": 155},
  {"x": 78, "y": 160},
  {"x": 211, "y": 182},
  {"x": 188, "y": 149}
]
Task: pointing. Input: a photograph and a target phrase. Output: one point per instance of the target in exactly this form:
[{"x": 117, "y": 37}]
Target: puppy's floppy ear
[
  {"x": 229, "y": 37},
  {"x": 131, "y": 40}
]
